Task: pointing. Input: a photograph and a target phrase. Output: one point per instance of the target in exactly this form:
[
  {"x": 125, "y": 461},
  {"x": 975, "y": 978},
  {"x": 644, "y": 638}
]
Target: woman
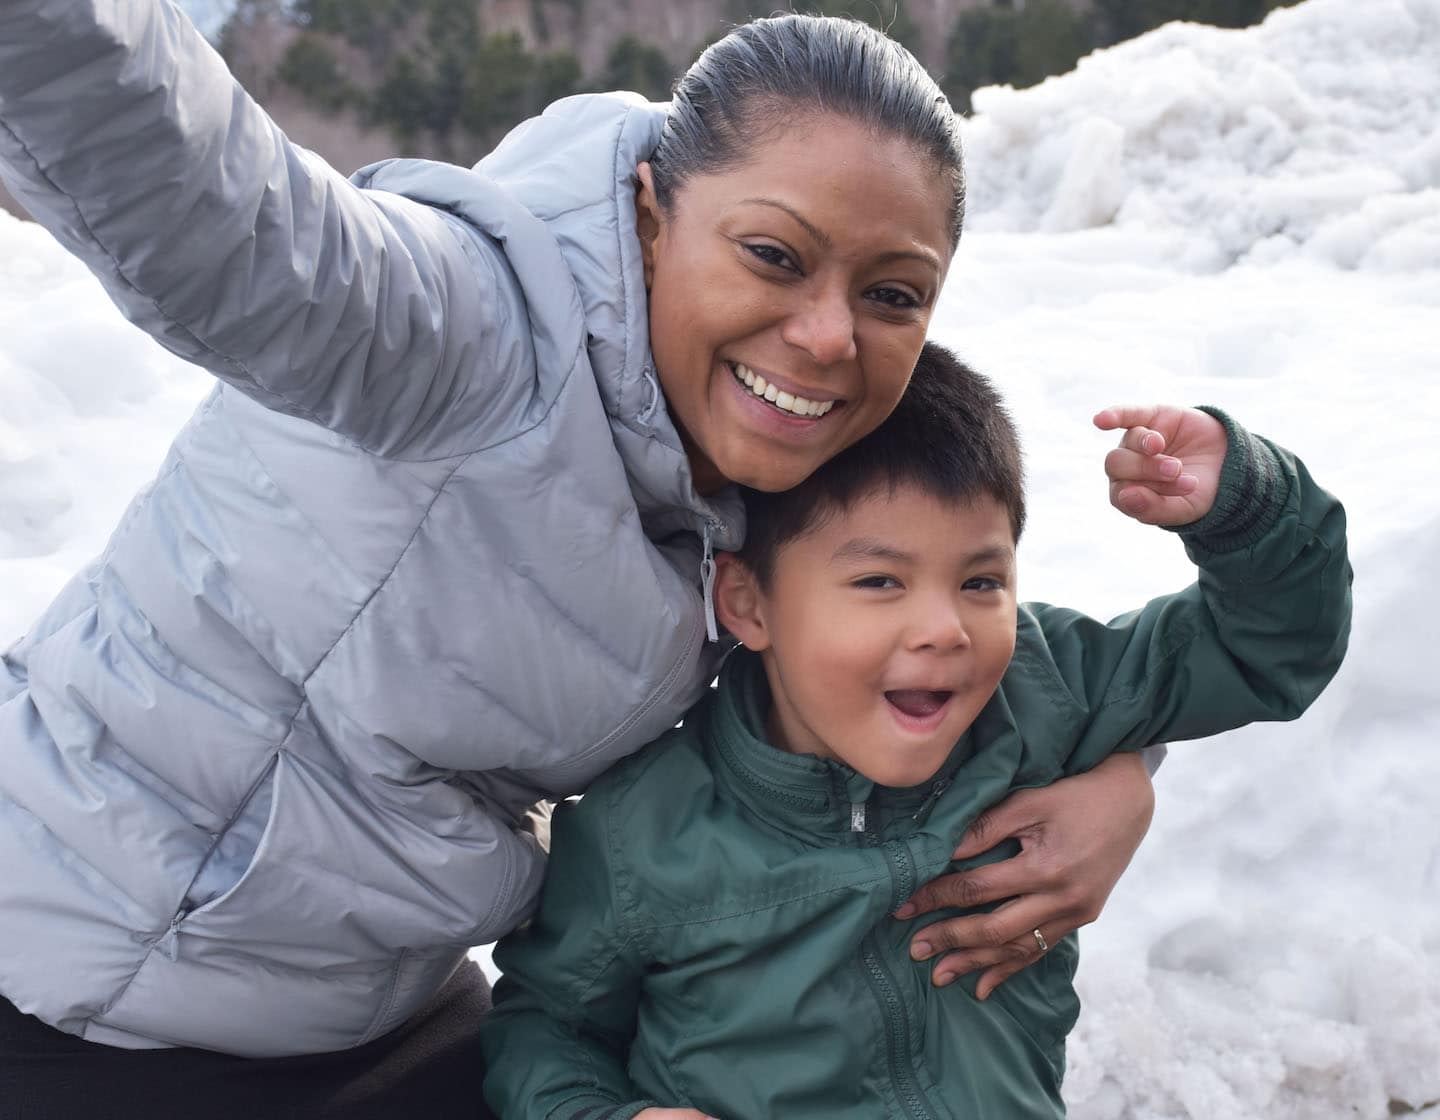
[{"x": 437, "y": 546}]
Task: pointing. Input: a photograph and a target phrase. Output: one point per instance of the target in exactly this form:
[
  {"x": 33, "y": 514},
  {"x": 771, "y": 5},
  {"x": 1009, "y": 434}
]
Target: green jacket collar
[{"x": 814, "y": 793}]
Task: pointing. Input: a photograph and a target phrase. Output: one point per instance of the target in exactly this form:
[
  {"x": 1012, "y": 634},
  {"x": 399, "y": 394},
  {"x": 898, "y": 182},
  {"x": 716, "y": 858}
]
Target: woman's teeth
[{"x": 798, "y": 406}]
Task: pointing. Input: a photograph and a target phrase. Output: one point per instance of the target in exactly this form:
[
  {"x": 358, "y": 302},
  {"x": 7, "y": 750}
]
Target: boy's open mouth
[{"x": 918, "y": 703}]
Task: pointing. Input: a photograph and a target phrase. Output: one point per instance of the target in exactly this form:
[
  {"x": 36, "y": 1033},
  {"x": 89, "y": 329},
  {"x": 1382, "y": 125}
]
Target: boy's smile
[{"x": 885, "y": 629}]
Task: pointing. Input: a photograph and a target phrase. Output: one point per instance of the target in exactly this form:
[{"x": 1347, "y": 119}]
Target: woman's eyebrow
[
  {"x": 813, "y": 230},
  {"x": 823, "y": 239}
]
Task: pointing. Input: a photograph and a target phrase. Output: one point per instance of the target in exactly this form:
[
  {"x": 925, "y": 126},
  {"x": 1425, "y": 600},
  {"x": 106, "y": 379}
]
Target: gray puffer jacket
[{"x": 429, "y": 551}]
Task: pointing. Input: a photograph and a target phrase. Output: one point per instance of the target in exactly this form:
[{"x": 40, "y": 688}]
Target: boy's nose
[{"x": 939, "y": 625}]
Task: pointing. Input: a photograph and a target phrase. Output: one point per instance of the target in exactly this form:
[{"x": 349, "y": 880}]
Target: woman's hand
[
  {"x": 1077, "y": 836},
  {"x": 671, "y": 1114}
]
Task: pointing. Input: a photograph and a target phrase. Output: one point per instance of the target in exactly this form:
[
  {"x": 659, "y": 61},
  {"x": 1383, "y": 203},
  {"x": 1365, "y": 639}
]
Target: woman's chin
[{"x": 762, "y": 465}]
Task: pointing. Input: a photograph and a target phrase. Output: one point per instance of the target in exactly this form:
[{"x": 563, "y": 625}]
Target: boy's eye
[
  {"x": 878, "y": 583},
  {"x": 984, "y": 583}
]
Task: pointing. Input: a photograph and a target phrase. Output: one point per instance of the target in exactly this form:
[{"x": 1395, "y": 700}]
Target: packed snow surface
[{"x": 1245, "y": 218}]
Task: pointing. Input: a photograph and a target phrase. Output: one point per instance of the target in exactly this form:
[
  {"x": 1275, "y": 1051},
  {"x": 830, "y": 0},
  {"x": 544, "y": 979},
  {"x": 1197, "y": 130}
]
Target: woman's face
[{"x": 808, "y": 274}]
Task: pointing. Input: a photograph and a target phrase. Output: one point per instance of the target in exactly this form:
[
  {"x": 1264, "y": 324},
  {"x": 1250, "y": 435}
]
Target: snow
[
  {"x": 1245, "y": 218},
  {"x": 1255, "y": 141}
]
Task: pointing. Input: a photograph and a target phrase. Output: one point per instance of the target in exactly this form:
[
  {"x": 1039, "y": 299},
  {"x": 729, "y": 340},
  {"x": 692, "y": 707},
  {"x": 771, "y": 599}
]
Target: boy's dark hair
[{"x": 950, "y": 436}]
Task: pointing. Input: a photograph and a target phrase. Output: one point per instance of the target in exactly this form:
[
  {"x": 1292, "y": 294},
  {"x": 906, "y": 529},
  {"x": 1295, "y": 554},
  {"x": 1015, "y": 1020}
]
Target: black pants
[{"x": 429, "y": 1068}]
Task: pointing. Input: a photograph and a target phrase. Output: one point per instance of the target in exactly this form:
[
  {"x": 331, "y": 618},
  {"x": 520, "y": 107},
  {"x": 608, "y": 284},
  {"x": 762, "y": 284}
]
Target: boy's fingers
[
  {"x": 1125, "y": 416},
  {"x": 1123, "y": 465},
  {"x": 1143, "y": 441},
  {"x": 1152, "y": 504}
]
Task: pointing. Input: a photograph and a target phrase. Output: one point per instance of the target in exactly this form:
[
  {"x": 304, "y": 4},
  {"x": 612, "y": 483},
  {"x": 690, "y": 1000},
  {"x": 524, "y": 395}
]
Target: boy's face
[{"x": 884, "y": 631}]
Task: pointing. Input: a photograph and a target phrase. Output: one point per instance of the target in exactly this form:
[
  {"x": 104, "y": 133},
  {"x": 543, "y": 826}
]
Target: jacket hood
[
  {"x": 573, "y": 167},
  {"x": 558, "y": 194}
]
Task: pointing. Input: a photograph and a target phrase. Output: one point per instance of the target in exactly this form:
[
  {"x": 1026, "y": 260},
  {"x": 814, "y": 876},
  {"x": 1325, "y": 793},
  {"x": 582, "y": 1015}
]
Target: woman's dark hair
[
  {"x": 950, "y": 437},
  {"x": 763, "y": 73}
]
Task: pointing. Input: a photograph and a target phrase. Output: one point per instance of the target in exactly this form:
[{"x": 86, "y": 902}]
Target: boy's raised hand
[{"x": 1166, "y": 470}]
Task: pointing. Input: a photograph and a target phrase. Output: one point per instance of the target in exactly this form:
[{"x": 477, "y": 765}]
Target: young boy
[{"x": 715, "y": 934}]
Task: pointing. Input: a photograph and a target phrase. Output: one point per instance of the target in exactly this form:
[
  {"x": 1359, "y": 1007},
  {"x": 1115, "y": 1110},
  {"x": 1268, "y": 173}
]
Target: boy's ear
[
  {"x": 739, "y": 604},
  {"x": 648, "y": 219}
]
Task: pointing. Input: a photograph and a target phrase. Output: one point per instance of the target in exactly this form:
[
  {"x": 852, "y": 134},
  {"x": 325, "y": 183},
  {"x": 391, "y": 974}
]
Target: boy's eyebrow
[
  {"x": 995, "y": 554},
  {"x": 871, "y": 548},
  {"x": 868, "y": 548}
]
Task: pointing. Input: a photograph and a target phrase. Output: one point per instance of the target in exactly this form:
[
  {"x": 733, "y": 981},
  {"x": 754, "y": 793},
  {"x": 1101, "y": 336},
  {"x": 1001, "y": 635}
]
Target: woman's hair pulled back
[{"x": 764, "y": 73}]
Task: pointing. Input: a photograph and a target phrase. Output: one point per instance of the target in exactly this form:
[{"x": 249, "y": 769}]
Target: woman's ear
[
  {"x": 648, "y": 219},
  {"x": 739, "y": 602}
]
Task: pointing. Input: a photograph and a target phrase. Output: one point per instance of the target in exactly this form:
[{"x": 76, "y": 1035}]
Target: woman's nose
[{"x": 824, "y": 327}]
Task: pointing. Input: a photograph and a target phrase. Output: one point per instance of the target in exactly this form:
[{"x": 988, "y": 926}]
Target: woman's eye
[
  {"x": 897, "y": 298},
  {"x": 771, "y": 255}
]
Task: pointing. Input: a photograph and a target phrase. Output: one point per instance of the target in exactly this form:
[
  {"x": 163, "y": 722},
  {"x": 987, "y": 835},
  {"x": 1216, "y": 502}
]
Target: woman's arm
[
  {"x": 1076, "y": 838},
  {"x": 123, "y": 133}
]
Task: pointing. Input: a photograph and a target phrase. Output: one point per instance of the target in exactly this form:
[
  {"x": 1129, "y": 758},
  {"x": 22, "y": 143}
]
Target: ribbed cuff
[{"x": 1252, "y": 493}]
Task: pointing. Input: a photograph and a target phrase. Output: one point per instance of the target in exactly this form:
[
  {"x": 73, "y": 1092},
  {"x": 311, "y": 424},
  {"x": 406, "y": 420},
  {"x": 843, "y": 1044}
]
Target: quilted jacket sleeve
[
  {"x": 123, "y": 133},
  {"x": 1257, "y": 637},
  {"x": 557, "y": 1042}
]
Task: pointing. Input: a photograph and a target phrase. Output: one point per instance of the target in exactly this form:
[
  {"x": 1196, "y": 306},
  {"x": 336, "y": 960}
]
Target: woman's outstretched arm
[{"x": 123, "y": 133}]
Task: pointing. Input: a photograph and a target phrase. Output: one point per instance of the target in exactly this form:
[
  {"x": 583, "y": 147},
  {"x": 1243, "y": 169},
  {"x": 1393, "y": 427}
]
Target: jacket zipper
[
  {"x": 923, "y": 813},
  {"x": 707, "y": 580},
  {"x": 882, "y": 984}
]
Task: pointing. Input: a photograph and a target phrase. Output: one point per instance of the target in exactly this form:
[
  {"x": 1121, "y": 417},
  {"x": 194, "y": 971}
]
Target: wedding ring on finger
[{"x": 1040, "y": 942}]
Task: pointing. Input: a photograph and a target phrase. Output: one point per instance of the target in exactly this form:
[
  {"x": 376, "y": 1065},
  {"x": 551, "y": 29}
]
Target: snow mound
[{"x": 1317, "y": 133}]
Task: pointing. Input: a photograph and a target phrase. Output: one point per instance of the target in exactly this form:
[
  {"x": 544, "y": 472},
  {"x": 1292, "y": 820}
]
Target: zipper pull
[
  {"x": 857, "y": 816},
  {"x": 923, "y": 813},
  {"x": 707, "y": 585},
  {"x": 169, "y": 944}
]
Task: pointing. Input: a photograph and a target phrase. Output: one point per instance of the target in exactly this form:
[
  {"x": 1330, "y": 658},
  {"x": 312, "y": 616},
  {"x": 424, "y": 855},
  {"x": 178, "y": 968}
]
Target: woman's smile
[{"x": 786, "y": 400}]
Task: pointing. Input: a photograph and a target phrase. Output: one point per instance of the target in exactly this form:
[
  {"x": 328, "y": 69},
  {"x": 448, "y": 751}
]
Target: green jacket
[{"x": 714, "y": 933}]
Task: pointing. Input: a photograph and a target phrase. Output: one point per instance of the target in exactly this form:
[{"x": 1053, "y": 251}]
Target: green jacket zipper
[{"x": 882, "y": 983}]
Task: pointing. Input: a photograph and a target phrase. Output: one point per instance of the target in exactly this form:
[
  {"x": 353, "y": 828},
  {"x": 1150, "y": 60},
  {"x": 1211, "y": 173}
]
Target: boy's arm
[
  {"x": 557, "y": 1042},
  {"x": 1256, "y": 638},
  {"x": 124, "y": 135}
]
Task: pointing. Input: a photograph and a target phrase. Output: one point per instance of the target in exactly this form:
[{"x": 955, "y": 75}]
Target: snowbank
[{"x": 1315, "y": 133}]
